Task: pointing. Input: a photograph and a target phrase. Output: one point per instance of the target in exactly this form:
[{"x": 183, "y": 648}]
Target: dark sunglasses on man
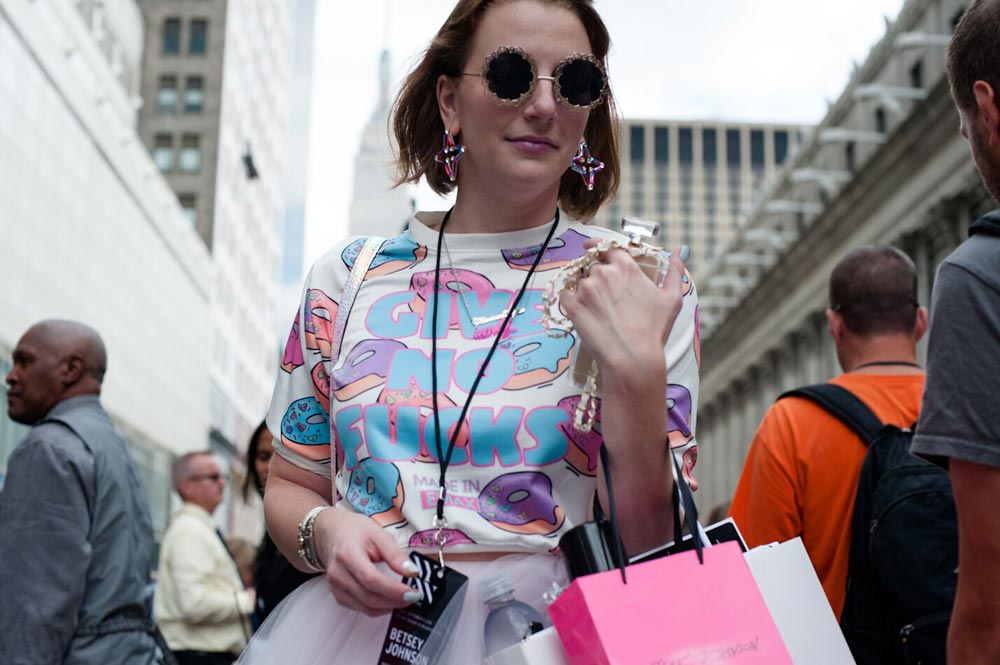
[{"x": 510, "y": 74}]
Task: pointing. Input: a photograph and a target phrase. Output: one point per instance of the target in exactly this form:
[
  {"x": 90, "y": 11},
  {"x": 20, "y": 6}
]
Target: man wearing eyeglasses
[
  {"x": 76, "y": 538},
  {"x": 201, "y": 604}
]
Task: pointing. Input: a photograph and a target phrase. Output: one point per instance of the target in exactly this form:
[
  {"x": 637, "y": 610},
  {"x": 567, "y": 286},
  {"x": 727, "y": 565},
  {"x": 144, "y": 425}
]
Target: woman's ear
[{"x": 447, "y": 98}]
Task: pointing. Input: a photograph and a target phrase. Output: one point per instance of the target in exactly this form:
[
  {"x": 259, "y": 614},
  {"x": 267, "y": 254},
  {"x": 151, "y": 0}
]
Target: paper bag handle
[{"x": 681, "y": 495}]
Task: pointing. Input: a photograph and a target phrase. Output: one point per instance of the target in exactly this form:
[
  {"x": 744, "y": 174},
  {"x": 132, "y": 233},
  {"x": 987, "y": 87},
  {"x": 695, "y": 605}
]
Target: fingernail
[
  {"x": 410, "y": 567},
  {"x": 413, "y": 596},
  {"x": 685, "y": 253}
]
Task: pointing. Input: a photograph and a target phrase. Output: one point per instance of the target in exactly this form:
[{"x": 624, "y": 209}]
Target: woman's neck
[{"x": 491, "y": 214}]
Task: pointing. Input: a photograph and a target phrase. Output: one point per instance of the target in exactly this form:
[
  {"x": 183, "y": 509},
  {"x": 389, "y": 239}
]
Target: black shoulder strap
[{"x": 844, "y": 405}]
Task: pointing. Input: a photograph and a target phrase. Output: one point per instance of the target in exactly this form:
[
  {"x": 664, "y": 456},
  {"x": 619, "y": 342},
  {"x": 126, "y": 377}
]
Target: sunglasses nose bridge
[{"x": 553, "y": 87}]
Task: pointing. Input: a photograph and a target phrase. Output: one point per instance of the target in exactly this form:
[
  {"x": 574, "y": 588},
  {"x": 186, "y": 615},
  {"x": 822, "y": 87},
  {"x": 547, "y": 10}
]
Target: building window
[
  {"x": 780, "y": 146},
  {"x": 171, "y": 36},
  {"x": 917, "y": 74},
  {"x": 189, "y": 204},
  {"x": 194, "y": 94},
  {"x": 733, "y": 148},
  {"x": 190, "y": 158},
  {"x": 661, "y": 145},
  {"x": 880, "y": 121},
  {"x": 685, "y": 145},
  {"x": 849, "y": 156},
  {"x": 198, "y": 40},
  {"x": 637, "y": 134},
  {"x": 709, "y": 147},
  {"x": 166, "y": 95},
  {"x": 757, "y": 148},
  {"x": 163, "y": 152}
]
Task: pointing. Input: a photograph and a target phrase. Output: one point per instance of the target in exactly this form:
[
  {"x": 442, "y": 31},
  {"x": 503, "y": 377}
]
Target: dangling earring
[
  {"x": 449, "y": 154},
  {"x": 586, "y": 165}
]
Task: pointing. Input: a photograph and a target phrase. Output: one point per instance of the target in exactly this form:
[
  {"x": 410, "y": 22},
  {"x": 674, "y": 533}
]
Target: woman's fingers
[
  {"x": 675, "y": 270},
  {"x": 358, "y": 583},
  {"x": 353, "y": 576}
]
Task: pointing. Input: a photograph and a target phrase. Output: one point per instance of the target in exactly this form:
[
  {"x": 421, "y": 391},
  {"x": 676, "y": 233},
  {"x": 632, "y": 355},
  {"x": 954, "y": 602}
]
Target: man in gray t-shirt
[{"x": 960, "y": 421}]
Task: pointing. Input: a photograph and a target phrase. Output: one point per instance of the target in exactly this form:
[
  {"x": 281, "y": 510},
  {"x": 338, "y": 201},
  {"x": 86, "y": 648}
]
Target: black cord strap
[{"x": 445, "y": 459}]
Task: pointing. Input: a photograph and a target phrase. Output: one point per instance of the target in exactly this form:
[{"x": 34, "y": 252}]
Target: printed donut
[
  {"x": 321, "y": 385},
  {"x": 561, "y": 250},
  {"x": 366, "y": 366},
  {"x": 375, "y": 490},
  {"x": 687, "y": 283},
  {"x": 538, "y": 358},
  {"x": 678, "y": 412},
  {"x": 305, "y": 428},
  {"x": 521, "y": 502},
  {"x": 320, "y": 313},
  {"x": 293, "y": 349},
  {"x": 395, "y": 254},
  {"x": 427, "y": 539},
  {"x": 477, "y": 289},
  {"x": 414, "y": 397},
  {"x": 584, "y": 452},
  {"x": 679, "y": 434},
  {"x": 688, "y": 452}
]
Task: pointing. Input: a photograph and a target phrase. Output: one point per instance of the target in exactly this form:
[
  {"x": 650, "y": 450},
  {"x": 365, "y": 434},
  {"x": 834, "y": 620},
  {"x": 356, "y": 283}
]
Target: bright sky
[{"x": 766, "y": 60}]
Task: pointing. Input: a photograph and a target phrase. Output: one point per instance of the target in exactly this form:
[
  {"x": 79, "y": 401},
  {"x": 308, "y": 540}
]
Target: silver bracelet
[{"x": 307, "y": 545}]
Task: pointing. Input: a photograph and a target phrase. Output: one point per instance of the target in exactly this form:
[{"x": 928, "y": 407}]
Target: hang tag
[{"x": 418, "y": 634}]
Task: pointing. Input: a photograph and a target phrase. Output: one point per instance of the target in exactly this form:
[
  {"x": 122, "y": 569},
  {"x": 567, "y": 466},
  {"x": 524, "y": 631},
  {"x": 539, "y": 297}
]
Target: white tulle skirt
[{"x": 310, "y": 628}]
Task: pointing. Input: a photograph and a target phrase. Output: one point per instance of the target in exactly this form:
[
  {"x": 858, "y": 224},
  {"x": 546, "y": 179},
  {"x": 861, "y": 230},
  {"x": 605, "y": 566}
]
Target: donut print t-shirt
[{"x": 520, "y": 475}]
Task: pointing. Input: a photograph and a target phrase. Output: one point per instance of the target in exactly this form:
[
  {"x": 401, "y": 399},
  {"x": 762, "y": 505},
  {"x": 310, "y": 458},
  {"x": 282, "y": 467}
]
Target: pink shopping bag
[{"x": 673, "y": 611}]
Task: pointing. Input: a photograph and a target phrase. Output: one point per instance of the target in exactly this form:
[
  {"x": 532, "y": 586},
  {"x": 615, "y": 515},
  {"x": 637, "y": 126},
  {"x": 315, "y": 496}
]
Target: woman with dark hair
[
  {"x": 273, "y": 576},
  {"x": 445, "y": 406}
]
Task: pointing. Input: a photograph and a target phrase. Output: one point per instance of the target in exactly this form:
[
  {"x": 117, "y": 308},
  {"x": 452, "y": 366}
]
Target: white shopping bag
[
  {"x": 787, "y": 580},
  {"x": 542, "y": 648}
]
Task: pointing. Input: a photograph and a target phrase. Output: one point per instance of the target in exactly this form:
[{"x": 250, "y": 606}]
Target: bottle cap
[{"x": 495, "y": 586}]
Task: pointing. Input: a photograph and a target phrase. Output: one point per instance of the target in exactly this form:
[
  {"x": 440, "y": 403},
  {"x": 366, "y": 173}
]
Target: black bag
[{"x": 904, "y": 543}]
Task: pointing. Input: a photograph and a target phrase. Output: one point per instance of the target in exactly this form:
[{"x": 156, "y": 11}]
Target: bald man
[{"x": 76, "y": 539}]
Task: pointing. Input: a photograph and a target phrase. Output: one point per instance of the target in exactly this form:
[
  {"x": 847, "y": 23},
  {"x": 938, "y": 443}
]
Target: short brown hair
[
  {"x": 974, "y": 52},
  {"x": 417, "y": 121},
  {"x": 874, "y": 289}
]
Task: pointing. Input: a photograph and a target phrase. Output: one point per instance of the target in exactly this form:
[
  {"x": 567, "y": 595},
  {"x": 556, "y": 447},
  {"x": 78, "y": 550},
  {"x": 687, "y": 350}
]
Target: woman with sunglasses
[{"x": 458, "y": 427}]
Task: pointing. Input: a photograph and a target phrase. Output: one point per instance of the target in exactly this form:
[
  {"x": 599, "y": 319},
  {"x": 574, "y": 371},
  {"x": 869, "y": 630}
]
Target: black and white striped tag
[
  {"x": 419, "y": 633},
  {"x": 427, "y": 582}
]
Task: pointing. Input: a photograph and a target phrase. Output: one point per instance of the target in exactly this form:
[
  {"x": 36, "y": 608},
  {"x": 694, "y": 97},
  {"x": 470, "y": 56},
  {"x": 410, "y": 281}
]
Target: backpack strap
[{"x": 842, "y": 404}]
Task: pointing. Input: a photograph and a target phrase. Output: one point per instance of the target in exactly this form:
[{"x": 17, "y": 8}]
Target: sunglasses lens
[
  {"x": 581, "y": 82},
  {"x": 509, "y": 75}
]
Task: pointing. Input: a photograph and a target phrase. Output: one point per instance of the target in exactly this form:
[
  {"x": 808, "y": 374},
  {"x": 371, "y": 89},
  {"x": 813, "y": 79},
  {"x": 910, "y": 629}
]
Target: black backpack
[{"x": 904, "y": 543}]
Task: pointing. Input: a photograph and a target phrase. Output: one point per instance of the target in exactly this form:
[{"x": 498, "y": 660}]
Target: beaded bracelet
[{"x": 307, "y": 546}]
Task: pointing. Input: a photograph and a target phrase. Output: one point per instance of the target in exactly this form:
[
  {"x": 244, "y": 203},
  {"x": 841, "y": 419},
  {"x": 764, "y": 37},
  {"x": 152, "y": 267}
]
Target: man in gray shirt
[
  {"x": 76, "y": 539},
  {"x": 959, "y": 420}
]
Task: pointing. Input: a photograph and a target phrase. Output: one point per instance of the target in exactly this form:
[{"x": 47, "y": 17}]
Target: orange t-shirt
[{"x": 801, "y": 473}]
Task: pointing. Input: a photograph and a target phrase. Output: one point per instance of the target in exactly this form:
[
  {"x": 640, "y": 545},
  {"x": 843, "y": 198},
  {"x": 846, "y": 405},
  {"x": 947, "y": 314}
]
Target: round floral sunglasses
[{"x": 510, "y": 74}]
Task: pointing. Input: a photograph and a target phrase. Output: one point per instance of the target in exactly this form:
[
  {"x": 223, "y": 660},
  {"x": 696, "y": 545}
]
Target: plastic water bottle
[{"x": 509, "y": 620}]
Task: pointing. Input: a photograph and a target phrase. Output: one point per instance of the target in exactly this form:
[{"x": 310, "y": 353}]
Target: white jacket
[{"x": 200, "y": 602}]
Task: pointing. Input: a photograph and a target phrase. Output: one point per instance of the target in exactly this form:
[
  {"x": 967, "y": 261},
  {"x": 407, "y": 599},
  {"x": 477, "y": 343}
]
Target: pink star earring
[
  {"x": 449, "y": 154},
  {"x": 586, "y": 165}
]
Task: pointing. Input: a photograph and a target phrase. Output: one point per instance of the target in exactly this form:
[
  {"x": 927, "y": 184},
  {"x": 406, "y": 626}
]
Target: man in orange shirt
[{"x": 801, "y": 473}]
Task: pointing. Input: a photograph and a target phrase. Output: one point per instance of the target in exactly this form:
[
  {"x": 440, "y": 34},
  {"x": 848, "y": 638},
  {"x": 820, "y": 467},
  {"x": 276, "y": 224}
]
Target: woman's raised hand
[
  {"x": 621, "y": 314},
  {"x": 350, "y": 546}
]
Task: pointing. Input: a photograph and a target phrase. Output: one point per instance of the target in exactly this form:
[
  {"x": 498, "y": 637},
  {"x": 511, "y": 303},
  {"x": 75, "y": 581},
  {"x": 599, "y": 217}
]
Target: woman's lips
[{"x": 532, "y": 145}]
